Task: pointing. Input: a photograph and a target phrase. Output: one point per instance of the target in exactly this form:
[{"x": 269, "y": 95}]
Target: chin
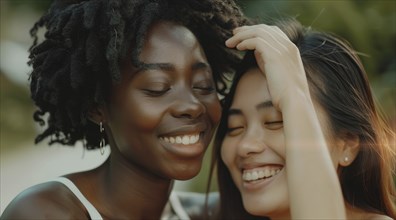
[
  {"x": 254, "y": 208},
  {"x": 268, "y": 209},
  {"x": 186, "y": 176},
  {"x": 187, "y": 171}
]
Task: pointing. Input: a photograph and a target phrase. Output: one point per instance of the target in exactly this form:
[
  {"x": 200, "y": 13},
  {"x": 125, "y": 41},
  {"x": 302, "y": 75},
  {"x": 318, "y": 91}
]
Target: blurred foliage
[
  {"x": 369, "y": 25},
  {"x": 39, "y": 5},
  {"x": 16, "y": 114}
]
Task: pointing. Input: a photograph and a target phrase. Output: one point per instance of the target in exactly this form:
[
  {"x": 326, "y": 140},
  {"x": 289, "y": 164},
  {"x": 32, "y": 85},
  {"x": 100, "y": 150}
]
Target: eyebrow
[
  {"x": 234, "y": 111},
  {"x": 200, "y": 66},
  {"x": 265, "y": 104},
  {"x": 170, "y": 67},
  {"x": 157, "y": 66}
]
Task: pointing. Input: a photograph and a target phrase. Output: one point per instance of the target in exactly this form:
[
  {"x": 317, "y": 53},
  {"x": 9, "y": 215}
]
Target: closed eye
[
  {"x": 234, "y": 131},
  {"x": 274, "y": 125},
  {"x": 208, "y": 88},
  {"x": 152, "y": 92},
  {"x": 204, "y": 87}
]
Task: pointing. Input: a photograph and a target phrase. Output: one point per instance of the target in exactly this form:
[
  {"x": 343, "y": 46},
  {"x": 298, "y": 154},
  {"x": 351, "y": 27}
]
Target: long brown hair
[{"x": 338, "y": 82}]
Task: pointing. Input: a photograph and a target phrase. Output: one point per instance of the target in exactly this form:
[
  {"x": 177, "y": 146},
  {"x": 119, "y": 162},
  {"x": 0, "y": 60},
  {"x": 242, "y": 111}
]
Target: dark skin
[{"x": 173, "y": 97}]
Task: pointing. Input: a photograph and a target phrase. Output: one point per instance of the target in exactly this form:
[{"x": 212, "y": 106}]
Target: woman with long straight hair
[{"x": 300, "y": 135}]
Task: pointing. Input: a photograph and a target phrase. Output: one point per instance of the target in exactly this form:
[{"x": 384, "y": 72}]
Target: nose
[
  {"x": 251, "y": 143},
  {"x": 188, "y": 106}
]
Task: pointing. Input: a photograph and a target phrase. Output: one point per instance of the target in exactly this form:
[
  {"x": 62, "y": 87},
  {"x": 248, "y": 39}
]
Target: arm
[{"x": 314, "y": 189}]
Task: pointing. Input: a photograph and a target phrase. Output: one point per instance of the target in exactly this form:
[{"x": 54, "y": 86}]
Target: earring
[
  {"x": 346, "y": 159},
  {"x": 102, "y": 140}
]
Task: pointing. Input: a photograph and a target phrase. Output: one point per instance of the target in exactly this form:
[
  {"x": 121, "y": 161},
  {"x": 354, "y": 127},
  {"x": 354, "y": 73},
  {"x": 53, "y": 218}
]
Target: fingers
[
  {"x": 277, "y": 57},
  {"x": 270, "y": 34},
  {"x": 263, "y": 26},
  {"x": 257, "y": 44}
]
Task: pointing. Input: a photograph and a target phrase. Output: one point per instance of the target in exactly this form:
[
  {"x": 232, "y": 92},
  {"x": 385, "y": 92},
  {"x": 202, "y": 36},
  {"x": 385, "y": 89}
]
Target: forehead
[
  {"x": 251, "y": 90},
  {"x": 165, "y": 39}
]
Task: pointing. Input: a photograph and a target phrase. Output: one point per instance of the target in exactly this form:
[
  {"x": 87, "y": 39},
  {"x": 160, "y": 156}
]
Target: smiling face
[
  {"x": 254, "y": 149},
  {"x": 162, "y": 117}
]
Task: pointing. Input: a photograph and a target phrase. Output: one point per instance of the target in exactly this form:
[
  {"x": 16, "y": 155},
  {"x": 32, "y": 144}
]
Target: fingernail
[{"x": 227, "y": 42}]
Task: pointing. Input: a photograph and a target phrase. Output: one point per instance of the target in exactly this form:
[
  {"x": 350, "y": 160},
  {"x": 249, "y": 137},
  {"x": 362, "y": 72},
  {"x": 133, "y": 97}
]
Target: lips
[
  {"x": 256, "y": 176},
  {"x": 185, "y": 141},
  {"x": 264, "y": 172},
  {"x": 181, "y": 139}
]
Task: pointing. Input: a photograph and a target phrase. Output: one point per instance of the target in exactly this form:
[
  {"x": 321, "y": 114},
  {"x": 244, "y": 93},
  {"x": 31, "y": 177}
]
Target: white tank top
[
  {"x": 174, "y": 203},
  {"x": 93, "y": 213}
]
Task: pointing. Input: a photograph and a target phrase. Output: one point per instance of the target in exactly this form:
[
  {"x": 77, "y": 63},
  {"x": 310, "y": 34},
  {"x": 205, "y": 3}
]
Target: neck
[
  {"x": 129, "y": 192},
  {"x": 283, "y": 216},
  {"x": 356, "y": 213}
]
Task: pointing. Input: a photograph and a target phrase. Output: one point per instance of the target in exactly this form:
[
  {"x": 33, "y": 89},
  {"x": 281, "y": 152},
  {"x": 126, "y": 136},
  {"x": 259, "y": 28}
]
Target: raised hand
[{"x": 277, "y": 57}]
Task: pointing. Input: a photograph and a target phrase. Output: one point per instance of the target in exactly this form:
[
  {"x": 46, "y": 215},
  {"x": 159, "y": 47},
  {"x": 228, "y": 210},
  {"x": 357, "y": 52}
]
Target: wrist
[{"x": 295, "y": 98}]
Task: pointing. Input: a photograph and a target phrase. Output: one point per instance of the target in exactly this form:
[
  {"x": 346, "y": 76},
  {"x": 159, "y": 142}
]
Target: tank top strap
[{"x": 93, "y": 213}]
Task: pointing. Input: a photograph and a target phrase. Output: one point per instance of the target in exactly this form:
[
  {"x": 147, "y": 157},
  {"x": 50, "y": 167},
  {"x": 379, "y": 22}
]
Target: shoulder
[
  {"x": 51, "y": 200},
  {"x": 194, "y": 204}
]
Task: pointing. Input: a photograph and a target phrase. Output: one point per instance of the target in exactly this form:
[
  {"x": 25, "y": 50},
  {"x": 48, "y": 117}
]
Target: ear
[
  {"x": 349, "y": 145},
  {"x": 97, "y": 115}
]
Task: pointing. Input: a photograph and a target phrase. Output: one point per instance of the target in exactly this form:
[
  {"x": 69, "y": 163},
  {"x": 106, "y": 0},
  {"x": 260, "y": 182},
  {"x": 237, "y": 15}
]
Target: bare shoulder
[{"x": 51, "y": 200}]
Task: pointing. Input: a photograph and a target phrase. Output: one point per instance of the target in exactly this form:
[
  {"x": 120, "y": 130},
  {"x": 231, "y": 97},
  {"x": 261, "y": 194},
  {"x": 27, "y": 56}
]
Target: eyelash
[
  {"x": 156, "y": 92},
  {"x": 209, "y": 88},
  {"x": 273, "y": 122},
  {"x": 232, "y": 129},
  {"x": 229, "y": 130}
]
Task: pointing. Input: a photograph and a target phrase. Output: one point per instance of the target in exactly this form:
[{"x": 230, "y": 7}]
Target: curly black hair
[{"x": 76, "y": 64}]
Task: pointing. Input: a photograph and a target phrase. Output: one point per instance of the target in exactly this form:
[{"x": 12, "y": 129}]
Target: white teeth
[
  {"x": 192, "y": 139},
  {"x": 248, "y": 176},
  {"x": 185, "y": 139},
  {"x": 261, "y": 174},
  {"x": 254, "y": 175},
  {"x": 266, "y": 172},
  {"x": 178, "y": 140}
]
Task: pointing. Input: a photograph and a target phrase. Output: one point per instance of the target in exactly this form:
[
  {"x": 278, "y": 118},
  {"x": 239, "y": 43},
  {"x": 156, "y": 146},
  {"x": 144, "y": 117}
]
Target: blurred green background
[{"x": 369, "y": 25}]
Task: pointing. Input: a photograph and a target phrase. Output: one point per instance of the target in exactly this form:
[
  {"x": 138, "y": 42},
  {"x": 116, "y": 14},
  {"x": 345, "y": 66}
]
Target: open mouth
[
  {"x": 265, "y": 172},
  {"x": 182, "y": 139},
  {"x": 184, "y": 145}
]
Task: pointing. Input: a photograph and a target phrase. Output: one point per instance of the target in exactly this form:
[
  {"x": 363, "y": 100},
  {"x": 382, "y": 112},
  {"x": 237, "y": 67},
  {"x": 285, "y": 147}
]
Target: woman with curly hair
[
  {"x": 300, "y": 136},
  {"x": 141, "y": 76}
]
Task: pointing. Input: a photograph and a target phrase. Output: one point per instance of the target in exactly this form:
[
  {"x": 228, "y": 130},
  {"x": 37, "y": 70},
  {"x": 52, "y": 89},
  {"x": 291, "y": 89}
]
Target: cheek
[
  {"x": 276, "y": 141},
  {"x": 147, "y": 116},
  {"x": 213, "y": 108},
  {"x": 141, "y": 116}
]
